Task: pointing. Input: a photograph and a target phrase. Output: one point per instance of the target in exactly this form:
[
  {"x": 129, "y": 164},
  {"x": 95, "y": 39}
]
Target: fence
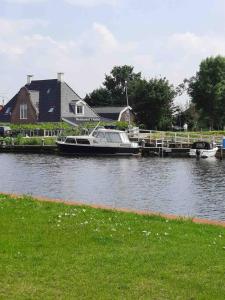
[{"x": 163, "y": 138}]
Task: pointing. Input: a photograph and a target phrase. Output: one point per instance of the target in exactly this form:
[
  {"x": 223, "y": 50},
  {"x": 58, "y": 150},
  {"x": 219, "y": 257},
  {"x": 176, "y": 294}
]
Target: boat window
[
  {"x": 71, "y": 141},
  {"x": 113, "y": 137},
  {"x": 83, "y": 141},
  {"x": 201, "y": 145},
  {"x": 124, "y": 137},
  {"x": 100, "y": 135}
]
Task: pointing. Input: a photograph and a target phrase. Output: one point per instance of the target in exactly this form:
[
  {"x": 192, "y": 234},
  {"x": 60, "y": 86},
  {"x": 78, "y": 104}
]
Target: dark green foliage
[
  {"x": 152, "y": 102},
  {"x": 113, "y": 93},
  {"x": 207, "y": 91}
]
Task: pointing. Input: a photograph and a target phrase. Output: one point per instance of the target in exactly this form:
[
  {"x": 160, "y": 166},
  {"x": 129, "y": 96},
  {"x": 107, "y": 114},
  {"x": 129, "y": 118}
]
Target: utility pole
[{"x": 127, "y": 101}]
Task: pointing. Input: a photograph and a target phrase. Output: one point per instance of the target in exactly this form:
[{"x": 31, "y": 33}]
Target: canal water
[{"x": 187, "y": 187}]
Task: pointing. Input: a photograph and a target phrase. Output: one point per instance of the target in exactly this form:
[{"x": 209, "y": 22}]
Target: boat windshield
[
  {"x": 124, "y": 137},
  {"x": 113, "y": 137}
]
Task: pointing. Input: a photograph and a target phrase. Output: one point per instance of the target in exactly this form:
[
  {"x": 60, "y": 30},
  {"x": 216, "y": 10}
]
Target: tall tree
[
  {"x": 153, "y": 102},
  {"x": 207, "y": 91},
  {"x": 113, "y": 93}
]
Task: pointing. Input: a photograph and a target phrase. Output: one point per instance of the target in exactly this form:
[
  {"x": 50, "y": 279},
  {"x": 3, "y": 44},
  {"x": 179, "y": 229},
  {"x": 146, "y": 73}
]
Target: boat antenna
[{"x": 94, "y": 129}]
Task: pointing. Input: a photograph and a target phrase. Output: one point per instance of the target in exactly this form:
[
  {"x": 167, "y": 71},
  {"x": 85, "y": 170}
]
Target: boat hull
[
  {"x": 203, "y": 153},
  {"x": 96, "y": 150}
]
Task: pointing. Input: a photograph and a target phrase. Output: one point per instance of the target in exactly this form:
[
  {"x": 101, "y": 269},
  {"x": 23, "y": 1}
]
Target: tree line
[{"x": 152, "y": 100}]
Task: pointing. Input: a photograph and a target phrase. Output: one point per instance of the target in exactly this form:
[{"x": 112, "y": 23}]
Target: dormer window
[
  {"x": 79, "y": 109},
  {"x": 51, "y": 109}
]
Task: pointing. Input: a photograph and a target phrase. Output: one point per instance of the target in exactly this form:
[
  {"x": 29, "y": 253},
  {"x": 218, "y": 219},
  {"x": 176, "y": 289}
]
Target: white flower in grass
[
  {"x": 86, "y": 222},
  {"x": 58, "y": 225},
  {"x": 220, "y": 235},
  {"x": 129, "y": 228},
  {"x": 166, "y": 233},
  {"x": 167, "y": 221},
  {"x": 59, "y": 216},
  {"x": 84, "y": 210}
]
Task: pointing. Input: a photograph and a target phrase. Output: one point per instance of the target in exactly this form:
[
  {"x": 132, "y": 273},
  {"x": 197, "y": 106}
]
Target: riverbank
[{"x": 60, "y": 251}]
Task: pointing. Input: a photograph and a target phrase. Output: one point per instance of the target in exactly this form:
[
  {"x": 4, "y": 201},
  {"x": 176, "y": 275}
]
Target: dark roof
[
  {"x": 5, "y": 113},
  {"x": 109, "y": 109},
  {"x": 49, "y": 98}
]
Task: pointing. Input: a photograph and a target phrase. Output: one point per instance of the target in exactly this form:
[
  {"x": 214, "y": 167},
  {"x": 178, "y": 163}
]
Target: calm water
[{"x": 181, "y": 186}]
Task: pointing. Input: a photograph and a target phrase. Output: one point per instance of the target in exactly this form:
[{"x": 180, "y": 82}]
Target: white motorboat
[
  {"x": 100, "y": 141},
  {"x": 202, "y": 149}
]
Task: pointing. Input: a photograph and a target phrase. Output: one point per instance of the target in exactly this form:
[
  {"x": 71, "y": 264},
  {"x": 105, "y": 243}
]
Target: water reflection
[{"x": 181, "y": 186}]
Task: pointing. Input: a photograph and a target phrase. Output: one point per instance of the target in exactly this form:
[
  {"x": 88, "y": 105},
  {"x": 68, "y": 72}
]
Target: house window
[
  {"x": 80, "y": 110},
  {"x": 23, "y": 111}
]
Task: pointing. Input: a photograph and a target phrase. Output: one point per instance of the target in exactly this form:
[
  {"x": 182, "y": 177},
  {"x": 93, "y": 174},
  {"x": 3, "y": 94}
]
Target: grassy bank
[{"x": 51, "y": 250}]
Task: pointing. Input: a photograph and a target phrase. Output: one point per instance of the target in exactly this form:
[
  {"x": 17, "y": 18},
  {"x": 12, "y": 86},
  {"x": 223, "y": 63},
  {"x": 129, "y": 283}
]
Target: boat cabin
[
  {"x": 111, "y": 136},
  {"x": 100, "y": 136},
  {"x": 202, "y": 145}
]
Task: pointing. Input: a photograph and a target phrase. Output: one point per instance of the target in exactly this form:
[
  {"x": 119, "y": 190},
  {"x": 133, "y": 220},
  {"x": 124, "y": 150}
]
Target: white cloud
[
  {"x": 24, "y": 1},
  {"x": 107, "y": 39},
  {"x": 191, "y": 43},
  {"x": 92, "y": 3},
  {"x": 86, "y": 58},
  {"x": 10, "y": 27}
]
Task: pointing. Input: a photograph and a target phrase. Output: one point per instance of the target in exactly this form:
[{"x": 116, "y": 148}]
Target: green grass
[{"x": 55, "y": 251}]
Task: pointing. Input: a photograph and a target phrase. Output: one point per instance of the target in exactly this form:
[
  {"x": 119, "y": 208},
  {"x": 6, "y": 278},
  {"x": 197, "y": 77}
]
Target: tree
[
  {"x": 153, "y": 102},
  {"x": 113, "y": 92},
  {"x": 207, "y": 91}
]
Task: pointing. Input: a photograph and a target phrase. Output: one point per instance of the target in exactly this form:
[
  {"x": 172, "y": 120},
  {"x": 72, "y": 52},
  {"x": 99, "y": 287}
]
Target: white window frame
[
  {"x": 23, "y": 111},
  {"x": 80, "y": 113}
]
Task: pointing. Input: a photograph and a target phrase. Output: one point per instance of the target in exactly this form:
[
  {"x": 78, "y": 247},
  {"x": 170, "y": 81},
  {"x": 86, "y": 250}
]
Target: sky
[{"x": 86, "y": 38}]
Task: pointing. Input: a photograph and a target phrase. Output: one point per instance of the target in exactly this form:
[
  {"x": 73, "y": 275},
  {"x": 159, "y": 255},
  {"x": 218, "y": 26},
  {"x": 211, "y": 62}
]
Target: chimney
[
  {"x": 60, "y": 76},
  {"x": 29, "y": 78}
]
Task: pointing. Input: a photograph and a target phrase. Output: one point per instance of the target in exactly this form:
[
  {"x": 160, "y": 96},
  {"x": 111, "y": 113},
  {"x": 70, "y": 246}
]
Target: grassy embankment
[{"x": 55, "y": 251}]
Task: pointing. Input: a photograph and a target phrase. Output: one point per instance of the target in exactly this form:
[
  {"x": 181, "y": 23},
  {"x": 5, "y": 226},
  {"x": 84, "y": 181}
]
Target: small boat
[
  {"x": 202, "y": 149},
  {"x": 100, "y": 141}
]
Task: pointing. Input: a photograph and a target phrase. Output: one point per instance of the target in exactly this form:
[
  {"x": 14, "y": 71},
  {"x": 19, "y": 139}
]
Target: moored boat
[
  {"x": 202, "y": 149},
  {"x": 100, "y": 142}
]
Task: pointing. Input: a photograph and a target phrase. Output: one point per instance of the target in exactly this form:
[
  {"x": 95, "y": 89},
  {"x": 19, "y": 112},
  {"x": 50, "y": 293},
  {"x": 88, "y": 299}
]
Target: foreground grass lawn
[{"x": 55, "y": 251}]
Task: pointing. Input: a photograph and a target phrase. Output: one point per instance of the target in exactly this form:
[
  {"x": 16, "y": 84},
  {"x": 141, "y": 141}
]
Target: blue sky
[{"x": 86, "y": 38}]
